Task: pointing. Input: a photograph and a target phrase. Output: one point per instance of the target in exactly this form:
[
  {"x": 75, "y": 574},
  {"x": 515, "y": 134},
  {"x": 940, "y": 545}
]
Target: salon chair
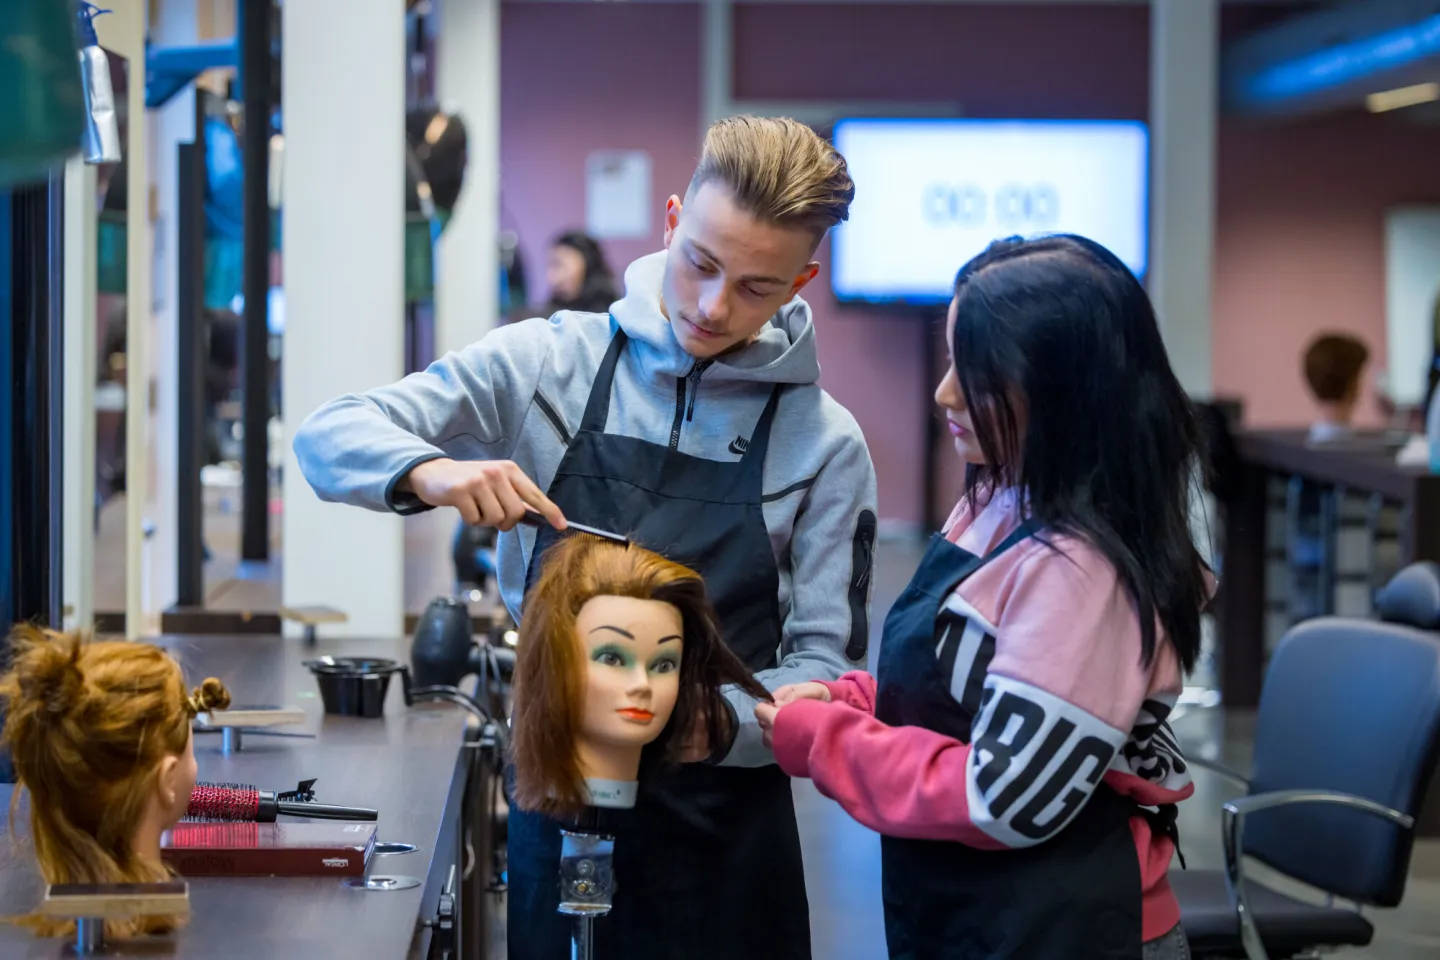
[{"x": 1346, "y": 742}]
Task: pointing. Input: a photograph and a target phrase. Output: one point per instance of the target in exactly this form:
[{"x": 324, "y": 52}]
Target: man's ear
[
  {"x": 806, "y": 275},
  {"x": 167, "y": 781},
  {"x": 673, "y": 207}
]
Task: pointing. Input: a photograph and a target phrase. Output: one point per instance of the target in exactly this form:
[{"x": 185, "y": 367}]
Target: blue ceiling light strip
[{"x": 1345, "y": 62}]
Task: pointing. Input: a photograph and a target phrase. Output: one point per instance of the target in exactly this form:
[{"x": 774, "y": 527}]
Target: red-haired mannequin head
[{"x": 100, "y": 737}]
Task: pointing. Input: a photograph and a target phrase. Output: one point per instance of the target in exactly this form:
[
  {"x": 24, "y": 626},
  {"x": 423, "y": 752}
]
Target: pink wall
[
  {"x": 1300, "y": 205},
  {"x": 592, "y": 76},
  {"x": 975, "y": 56},
  {"x": 1300, "y": 248}
]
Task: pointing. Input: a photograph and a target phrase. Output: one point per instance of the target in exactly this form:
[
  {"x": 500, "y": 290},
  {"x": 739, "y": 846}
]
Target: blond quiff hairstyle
[{"x": 778, "y": 170}]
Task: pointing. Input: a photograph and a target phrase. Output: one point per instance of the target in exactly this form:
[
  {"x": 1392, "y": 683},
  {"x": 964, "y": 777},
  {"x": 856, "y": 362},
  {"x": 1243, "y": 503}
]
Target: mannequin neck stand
[{"x": 611, "y": 794}]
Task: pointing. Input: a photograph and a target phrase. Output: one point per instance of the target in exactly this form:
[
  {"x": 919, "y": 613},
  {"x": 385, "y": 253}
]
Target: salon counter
[
  {"x": 1363, "y": 467},
  {"x": 412, "y": 765}
]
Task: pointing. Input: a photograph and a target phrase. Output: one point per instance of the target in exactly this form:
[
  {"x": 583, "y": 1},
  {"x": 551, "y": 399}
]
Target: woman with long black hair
[
  {"x": 578, "y": 275},
  {"x": 1014, "y": 753}
]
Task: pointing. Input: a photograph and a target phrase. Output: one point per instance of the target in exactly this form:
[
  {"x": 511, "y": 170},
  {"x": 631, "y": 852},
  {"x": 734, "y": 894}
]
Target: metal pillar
[
  {"x": 190, "y": 345},
  {"x": 255, "y": 364},
  {"x": 35, "y": 217}
]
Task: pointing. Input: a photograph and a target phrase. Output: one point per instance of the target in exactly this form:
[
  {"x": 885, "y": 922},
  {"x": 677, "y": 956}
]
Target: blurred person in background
[
  {"x": 1334, "y": 364},
  {"x": 578, "y": 276}
]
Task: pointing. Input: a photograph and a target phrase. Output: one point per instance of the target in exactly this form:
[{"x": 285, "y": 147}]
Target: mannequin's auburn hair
[
  {"x": 87, "y": 725},
  {"x": 549, "y": 682}
]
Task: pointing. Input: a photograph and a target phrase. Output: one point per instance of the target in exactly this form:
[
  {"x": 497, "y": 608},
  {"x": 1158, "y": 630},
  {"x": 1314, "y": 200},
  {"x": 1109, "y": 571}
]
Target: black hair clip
[{"x": 304, "y": 793}]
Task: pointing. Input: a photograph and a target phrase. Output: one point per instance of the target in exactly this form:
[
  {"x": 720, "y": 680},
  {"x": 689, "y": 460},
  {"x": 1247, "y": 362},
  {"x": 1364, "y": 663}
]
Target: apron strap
[
  {"x": 754, "y": 458},
  {"x": 956, "y": 564},
  {"x": 1020, "y": 534},
  {"x": 1162, "y": 822},
  {"x": 597, "y": 408}
]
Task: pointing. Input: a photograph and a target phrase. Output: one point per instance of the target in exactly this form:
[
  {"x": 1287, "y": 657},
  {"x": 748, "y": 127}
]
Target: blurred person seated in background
[
  {"x": 1334, "y": 365},
  {"x": 578, "y": 276}
]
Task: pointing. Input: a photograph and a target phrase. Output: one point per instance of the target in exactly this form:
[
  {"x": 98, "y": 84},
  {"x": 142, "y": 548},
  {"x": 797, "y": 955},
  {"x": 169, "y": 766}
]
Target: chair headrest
[{"x": 1412, "y": 597}]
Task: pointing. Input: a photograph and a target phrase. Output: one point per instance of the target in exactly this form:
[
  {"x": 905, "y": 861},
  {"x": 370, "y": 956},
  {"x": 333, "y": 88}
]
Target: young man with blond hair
[{"x": 689, "y": 418}]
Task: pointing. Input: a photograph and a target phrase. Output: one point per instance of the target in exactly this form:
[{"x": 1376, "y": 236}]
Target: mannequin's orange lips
[{"x": 636, "y": 715}]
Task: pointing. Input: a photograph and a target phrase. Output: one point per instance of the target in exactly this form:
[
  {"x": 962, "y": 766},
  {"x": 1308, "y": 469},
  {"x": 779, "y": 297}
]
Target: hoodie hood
[{"x": 784, "y": 352}]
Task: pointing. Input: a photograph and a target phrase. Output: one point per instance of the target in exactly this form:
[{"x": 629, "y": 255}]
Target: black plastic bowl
[{"x": 354, "y": 686}]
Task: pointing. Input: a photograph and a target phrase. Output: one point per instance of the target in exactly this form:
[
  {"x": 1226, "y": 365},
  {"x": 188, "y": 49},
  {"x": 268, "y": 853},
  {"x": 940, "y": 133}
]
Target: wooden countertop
[{"x": 409, "y": 765}]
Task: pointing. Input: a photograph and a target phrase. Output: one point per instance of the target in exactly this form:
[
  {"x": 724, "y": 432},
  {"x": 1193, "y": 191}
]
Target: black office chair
[{"x": 1346, "y": 742}]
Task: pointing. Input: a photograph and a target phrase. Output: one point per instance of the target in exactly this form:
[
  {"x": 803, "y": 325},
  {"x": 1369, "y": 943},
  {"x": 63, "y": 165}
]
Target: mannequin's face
[{"x": 632, "y": 652}]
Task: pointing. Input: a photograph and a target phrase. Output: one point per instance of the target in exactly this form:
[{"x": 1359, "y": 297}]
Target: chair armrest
[
  {"x": 1220, "y": 770},
  {"x": 1232, "y": 823}
]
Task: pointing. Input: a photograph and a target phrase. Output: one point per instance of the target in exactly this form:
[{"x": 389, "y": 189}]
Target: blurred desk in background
[{"x": 1364, "y": 465}]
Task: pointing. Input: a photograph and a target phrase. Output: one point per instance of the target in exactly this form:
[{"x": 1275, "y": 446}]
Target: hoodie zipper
[{"x": 685, "y": 413}]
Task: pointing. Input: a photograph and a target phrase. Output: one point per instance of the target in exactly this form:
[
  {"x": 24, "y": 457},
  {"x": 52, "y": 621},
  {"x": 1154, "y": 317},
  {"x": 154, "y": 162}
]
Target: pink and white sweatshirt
[{"x": 1057, "y": 630}]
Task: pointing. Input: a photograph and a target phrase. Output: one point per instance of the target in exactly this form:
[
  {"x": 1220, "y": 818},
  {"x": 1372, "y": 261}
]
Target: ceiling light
[{"x": 1402, "y": 97}]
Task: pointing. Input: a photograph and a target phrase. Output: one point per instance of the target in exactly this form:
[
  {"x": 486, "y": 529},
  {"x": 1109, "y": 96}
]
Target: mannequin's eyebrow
[{"x": 630, "y": 636}]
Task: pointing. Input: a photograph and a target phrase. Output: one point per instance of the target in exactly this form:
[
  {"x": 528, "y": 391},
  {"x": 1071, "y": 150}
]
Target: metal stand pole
[
  {"x": 89, "y": 935},
  {"x": 587, "y": 879},
  {"x": 582, "y": 946},
  {"x": 230, "y": 741}
]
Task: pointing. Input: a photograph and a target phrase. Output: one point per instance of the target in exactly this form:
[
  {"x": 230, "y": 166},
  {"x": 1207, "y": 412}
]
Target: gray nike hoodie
[{"x": 519, "y": 394}]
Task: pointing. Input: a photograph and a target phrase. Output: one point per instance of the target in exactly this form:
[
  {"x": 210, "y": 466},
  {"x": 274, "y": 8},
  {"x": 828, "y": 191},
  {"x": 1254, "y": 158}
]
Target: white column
[
  {"x": 1184, "y": 54},
  {"x": 123, "y": 31},
  {"x": 80, "y": 373},
  {"x": 467, "y": 293},
  {"x": 173, "y": 124},
  {"x": 344, "y": 98},
  {"x": 717, "y": 52}
]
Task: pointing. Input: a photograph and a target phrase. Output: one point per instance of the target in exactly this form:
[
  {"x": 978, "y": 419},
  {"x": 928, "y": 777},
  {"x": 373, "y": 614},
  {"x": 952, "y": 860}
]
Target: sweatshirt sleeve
[
  {"x": 827, "y": 628},
  {"x": 855, "y": 689},
  {"x": 467, "y": 405},
  {"x": 1039, "y": 747}
]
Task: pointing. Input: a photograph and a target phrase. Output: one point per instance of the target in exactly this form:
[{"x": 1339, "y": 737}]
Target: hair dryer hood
[{"x": 444, "y": 650}]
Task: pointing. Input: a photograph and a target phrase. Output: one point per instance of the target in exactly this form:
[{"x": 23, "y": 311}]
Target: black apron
[
  {"x": 1075, "y": 896},
  {"x": 708, "y": 863}
]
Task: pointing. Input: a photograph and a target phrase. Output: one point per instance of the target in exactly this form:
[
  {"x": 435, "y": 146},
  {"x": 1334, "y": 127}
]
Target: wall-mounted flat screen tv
[{"x": 931, "y": 194}]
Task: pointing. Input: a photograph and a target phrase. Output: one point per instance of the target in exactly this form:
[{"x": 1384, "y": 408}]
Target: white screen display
[{"x": 931, "y": 194}]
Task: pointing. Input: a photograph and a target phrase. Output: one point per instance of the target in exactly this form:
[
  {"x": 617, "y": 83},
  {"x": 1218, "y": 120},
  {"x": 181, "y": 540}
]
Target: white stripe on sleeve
[{"x": 1034, "y": 761}]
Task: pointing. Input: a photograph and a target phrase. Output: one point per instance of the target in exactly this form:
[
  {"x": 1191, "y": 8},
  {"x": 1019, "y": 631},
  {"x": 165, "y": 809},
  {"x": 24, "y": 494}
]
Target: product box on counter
[{"x": 303, "y": 849}]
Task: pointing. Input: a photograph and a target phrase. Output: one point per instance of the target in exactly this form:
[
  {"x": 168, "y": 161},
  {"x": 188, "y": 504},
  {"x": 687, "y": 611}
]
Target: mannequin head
[
  {"x": 619, "y": 653},
  {"x": 100, "y": 737}
]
